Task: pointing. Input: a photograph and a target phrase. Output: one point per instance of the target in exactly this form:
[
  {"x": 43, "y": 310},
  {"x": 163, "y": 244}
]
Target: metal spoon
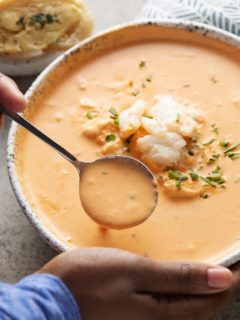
[{"x": 81, "y": 168}]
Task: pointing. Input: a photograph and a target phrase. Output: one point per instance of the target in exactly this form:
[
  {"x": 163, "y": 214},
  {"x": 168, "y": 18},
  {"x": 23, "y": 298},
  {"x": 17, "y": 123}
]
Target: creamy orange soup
[
  {"x": 117, "y": 194},
  {"x": 207, "y": 76}
]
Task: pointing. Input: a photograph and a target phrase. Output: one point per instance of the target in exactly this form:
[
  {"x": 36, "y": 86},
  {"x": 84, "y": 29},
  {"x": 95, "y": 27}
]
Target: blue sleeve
[{"x": 37, "y": 297}]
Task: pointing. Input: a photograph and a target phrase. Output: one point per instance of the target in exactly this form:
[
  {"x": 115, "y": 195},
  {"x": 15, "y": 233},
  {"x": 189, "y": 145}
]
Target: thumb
[
  {"x": 10, "y": 95},
  {"x": 182, "y": 278}
]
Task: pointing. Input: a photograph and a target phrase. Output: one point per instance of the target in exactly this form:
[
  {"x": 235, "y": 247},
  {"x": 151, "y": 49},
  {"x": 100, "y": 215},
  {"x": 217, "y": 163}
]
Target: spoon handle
[{"x": 27, "y": 125}]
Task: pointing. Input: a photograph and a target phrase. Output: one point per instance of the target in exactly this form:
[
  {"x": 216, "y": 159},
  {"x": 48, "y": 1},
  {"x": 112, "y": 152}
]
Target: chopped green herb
[
  {"x": 144, "y": 85},
  {"x": 235, "y": 146},
  {"x": 207, "y": 143},
  {"x": 215, "y": 128},
  {"x": 42, "y": 19},
  {"x": 89, "y": 115},
  {"x": 194, "y": 175},
  {"x": 110, "y": 137},
  {"x": 149, "y": 77},
  {"x": 114, "y": 115},
  {"x": 148, "y": 116},
  {"x": 142, "y": 63},
  {"x": 216, "y": 176},
  {"x": 178, "y": 118},
  {"x": 214, "y": 80},
  {"x": 178, "y": 177},
  {"x": 204, "y": 195},
  {"x": 213, "y": 158},
  {"x": 136, "y": 92},
  {"x": 21, "y": 22},
  {"x": 224, "y": 143},
  {"x": 207, "y": 181},
  {"x": 233, "y": 155}
]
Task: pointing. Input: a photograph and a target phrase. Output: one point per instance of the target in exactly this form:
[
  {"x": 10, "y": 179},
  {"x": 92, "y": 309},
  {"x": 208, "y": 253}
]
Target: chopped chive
[
  {"x": 233, "y": 155},
  {"x": 148, "y": 116},
  {"x": 213, "y": 158},
  {"x": 136, "y": 92},
  {"x": 207, "y": 181},
  {"x": 143, "y": 85},
  {"x": 204, "y": 195},
  {"x": 178, "y": 118},
  {"x": 214, "y": 80},
  {"x": 215, "y": 128},
  {"x": 178, "y": 177},
  {"x": 207, "y": 143},
  {"x": 21, "y": 22},
  {"x": 142, "y": 63},
  {"x": 224, "y": 143},
  {"x": 110, "y": 137},
  {"x": 194, "y": 175},
  {"x": 89, "y": 115},
  {"x": 114, "y": 116},
  {"x": 149, "y": 77},
  {"x": 235, "y": 146},
  {"x": 113, "y": 111}
]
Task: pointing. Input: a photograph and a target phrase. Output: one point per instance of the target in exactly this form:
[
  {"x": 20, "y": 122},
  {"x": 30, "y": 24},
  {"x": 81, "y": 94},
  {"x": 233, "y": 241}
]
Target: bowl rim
[{"x": 195, "y": 27}]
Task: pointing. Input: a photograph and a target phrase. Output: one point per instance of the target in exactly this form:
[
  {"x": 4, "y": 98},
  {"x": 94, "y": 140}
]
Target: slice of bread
[{"x": 30, "y": 26}]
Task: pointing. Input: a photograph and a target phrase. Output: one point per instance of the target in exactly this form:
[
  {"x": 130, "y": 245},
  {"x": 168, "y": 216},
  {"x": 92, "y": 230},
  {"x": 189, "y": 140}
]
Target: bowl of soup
[{"x": 166, "y": 93}]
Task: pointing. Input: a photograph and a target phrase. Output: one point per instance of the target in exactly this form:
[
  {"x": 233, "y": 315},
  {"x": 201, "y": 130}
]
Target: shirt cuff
[{"x": 55, "y": 287}]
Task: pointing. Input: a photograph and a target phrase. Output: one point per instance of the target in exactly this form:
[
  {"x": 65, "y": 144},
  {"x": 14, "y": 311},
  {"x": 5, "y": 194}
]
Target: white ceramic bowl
[{"x": 120, "y": 35}]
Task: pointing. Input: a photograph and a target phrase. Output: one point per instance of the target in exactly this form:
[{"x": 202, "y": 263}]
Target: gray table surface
[{"x": 21, "y": 249}]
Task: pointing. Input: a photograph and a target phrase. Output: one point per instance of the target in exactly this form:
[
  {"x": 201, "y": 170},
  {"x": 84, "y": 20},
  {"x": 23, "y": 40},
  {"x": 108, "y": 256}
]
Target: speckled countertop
[{"x": 21, "y": 249}]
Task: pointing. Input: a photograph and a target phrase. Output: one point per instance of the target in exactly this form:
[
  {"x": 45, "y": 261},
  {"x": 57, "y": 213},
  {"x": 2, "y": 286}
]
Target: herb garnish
[
  {"x": 178, "y": 118},
  {"x": 207, "y": 143},
  {"x": 21, "y": 22},
  {"x": 136, "y": 92},
  {"x": 215, "y": 128},
  {"x": 142, "y": 63},
  {"x": 42, "y": 19},
  {"x": 233, "y": 155},
  {"x": 110, "y": 137},
  {"x": 213, "y": 158},
  {"x": 114, "y": 115},
  {"x": 235, "y": 146},
  {"x": 148, "y": 116},
  {"x": 194, "y": 175},
  {"x": 178, "y": 177},
  {"x": 149, "y": 77},
  {"x": 216, "y": 176},
  {"x": 204, "y": 195},
  {"x": 207, "y": 181},
  {"x": 214, "y": 80},
  {"x": 224, "y": 143},
  {"x": 89, "y": 115}
]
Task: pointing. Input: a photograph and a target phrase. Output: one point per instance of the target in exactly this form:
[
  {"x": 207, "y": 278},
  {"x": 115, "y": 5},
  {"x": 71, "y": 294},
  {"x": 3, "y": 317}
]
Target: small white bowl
[
  {"x": 124, "y": 34},
  {"x": 27, "y": 65}
]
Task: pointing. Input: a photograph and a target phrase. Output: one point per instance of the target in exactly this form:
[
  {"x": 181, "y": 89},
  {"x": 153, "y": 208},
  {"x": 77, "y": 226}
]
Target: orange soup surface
[{"x": 82, "y": 112}]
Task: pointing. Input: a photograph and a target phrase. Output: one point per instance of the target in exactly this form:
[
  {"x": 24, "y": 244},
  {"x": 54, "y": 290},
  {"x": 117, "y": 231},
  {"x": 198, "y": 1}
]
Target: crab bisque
[{"x": 173, "y": 104}]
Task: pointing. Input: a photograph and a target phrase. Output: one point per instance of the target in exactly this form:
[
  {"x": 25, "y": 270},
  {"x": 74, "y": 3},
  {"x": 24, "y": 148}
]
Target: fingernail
[{"x": 219, "y": 278}]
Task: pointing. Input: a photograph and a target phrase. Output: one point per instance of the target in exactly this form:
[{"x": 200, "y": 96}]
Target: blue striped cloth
[
  {"x": 38, "y": 297},
  {"x": 224, "y": 14}
]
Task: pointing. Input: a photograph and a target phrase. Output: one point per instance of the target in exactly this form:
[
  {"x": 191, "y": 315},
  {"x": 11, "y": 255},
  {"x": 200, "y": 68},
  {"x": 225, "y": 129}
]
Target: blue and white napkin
[{"x": 224, "y": 14}]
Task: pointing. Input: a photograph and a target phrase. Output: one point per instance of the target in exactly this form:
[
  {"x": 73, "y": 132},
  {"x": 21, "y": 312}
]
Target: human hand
[
  {"x": 112, "y": 284},
  {"x": 10, "y": 95}
]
